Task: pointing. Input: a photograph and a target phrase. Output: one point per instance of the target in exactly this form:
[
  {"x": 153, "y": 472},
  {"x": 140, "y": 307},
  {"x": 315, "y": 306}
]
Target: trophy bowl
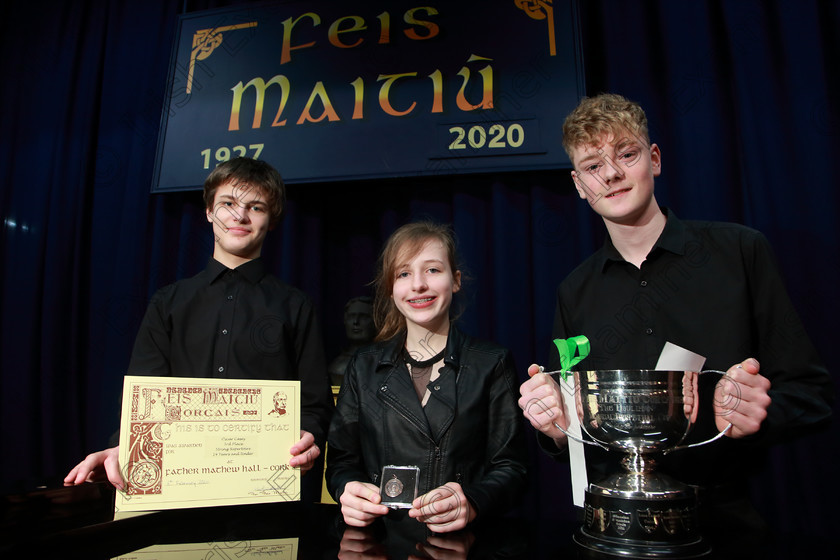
[
  {"x": 639, "y": 411},
  {"x": 638, "y": 512}
]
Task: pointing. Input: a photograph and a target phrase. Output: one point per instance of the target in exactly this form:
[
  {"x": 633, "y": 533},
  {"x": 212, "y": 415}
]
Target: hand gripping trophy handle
[
  {"x": 595, "y": 442},
  {"x": 690, "y": 409},
  {"x": 717, "y": 436}
]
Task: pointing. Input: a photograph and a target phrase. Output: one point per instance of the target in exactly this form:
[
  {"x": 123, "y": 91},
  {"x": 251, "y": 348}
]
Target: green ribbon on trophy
[{"x": 567, "y": 348}]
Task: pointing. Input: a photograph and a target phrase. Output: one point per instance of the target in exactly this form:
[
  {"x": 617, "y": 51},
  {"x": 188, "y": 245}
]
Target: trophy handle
[
  {"x": 713, "y": 438},
  {"x": 594, "y": 441}
]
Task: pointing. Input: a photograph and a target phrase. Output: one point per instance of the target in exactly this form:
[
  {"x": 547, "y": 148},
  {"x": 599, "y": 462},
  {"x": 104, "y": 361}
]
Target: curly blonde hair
[{"x": 607, "y": 113}]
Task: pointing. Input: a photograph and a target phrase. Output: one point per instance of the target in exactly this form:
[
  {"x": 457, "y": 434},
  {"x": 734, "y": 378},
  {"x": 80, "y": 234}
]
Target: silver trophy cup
[{"x": 639, "y": 512}]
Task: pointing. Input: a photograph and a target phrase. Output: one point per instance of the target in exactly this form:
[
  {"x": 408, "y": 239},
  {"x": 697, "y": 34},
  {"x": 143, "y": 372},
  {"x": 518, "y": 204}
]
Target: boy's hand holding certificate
[{"x": 194, "y": 442}]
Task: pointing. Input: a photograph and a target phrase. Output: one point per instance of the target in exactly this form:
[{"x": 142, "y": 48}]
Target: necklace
[{"x": 423, "y": 363}]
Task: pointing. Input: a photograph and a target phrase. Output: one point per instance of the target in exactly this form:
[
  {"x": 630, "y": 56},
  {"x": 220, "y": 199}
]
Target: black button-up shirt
[
  {"x": 237, "y": 324},
  {"x": 712, "y": 288}
]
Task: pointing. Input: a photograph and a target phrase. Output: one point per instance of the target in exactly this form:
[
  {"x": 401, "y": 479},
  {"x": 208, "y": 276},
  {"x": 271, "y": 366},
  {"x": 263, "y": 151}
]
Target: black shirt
[
  {"x": 712, "y": 288},
  {"x": 237, "y": 324}
]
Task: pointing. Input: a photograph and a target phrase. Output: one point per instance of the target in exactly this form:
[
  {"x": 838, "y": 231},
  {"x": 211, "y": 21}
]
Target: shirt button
[
  {"x": 384, "y": 388},
  {"x": 648, "y": 331},
  {"x": 221, "y": 369},
  {"x": 230, "y": 297},
  {"x": 437, "y": 387},
  {"x": 644, "y": 283},
  {"x": 224, "y": 331}
]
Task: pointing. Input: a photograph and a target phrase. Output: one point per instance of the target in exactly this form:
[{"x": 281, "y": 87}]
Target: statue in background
[{"x": 359, "y": 330}]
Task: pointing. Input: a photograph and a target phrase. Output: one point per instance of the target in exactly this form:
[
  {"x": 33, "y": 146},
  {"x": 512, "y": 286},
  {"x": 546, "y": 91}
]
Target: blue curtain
[{"x": 741, "y": 97}]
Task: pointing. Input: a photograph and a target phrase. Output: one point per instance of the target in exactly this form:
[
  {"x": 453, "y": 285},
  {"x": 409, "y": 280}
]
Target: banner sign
[{"x": 333, "y": 91}]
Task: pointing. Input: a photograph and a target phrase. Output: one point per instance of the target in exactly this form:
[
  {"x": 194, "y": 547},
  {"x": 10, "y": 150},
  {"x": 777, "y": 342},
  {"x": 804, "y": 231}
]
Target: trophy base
[{"x": 640, "y": 527}]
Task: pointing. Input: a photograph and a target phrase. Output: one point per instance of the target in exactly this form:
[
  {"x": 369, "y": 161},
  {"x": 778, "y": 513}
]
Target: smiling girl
[{"x": 426, "y": 395}]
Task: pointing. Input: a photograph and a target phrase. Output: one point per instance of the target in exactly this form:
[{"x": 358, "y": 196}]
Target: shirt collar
[
  {"x": 253, "y": 270},
  {"x": 672, "y": 239}
]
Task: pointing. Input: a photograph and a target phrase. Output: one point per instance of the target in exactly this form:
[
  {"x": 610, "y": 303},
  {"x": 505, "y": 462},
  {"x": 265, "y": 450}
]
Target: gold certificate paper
[
  {"x": 272, "y": 549},
  {"x": 193, "y": 442}
]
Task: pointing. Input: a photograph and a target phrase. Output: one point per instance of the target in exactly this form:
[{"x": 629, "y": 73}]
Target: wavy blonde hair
[
  {"x": 607, "y": 113},
  {"x": 403, "y": 245}
]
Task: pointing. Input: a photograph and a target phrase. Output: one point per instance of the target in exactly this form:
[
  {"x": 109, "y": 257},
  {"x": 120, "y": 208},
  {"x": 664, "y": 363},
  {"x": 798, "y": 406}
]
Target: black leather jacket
[{"x": 470, "y": 431}]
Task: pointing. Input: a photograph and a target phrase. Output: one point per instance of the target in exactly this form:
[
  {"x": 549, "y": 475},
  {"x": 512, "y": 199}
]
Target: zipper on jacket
[
  {"x": 436, "y": 468},
  {"x": 437, "y": 456}
]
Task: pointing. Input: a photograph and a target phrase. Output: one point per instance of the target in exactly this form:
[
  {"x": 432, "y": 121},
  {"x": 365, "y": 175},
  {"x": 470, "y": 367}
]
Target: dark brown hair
[{"x": 245, "y": 174}]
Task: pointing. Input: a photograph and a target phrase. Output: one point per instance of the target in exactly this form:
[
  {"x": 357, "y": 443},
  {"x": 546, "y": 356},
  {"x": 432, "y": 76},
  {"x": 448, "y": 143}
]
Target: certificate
[
  {"x": 277, "y": 549},
  {"x": 193, "y": 442}
]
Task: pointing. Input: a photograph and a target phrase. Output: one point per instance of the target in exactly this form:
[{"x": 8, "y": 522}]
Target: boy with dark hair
[{"x": 234, "y": 320}]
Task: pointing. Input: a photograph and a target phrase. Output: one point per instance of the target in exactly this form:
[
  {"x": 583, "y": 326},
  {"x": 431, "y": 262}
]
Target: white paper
[
  {"x": 577, "y": 459},
  {"x": 676, "y": 358}
]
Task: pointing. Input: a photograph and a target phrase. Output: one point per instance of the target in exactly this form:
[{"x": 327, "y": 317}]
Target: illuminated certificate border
[{"x": 192, "y": 442}]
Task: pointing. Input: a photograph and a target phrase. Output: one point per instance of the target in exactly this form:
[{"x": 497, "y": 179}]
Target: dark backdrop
[{"x": 742, "y": 99}]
